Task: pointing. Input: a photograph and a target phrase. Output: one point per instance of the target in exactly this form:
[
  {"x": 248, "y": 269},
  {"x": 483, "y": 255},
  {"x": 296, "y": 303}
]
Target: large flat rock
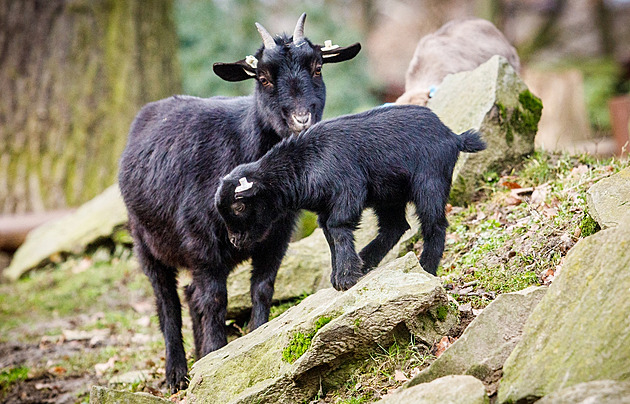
[
  {"x": 487, "y": 341},
  {"x": 579, "y": 331},
  {"x": 70, "y": 234},
  {"x": 324, "y": 338}
]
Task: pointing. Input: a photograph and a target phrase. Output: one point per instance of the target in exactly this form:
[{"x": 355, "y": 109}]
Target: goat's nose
[{"x": 302, "y": 120}]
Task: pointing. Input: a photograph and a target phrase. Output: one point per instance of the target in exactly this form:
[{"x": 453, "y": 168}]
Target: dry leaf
[
  {"x": 510, "y": 185},
  {"x": 448, "y": 208},
  {"x": 399, "y": 376},
  {"x": 513, "y": 200},
  {"x": 444, "y": 343},
  {"x": 57, "y": 370},
  {"x": 82, "y": 266},
  {"x": 579, "y": 170},
  {"x": 144, "y": 321},
  {"x": 101, "y": 368}
]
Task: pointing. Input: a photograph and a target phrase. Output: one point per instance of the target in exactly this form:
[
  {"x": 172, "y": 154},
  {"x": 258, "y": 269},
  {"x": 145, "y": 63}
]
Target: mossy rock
[
  {"x": 323, "y": 339},
  {"x": 306, "y": 266},
  {"x": 494, "y": 100},
  {"x": 487, "y": 341},
  {"x": 579, "y": 331}
]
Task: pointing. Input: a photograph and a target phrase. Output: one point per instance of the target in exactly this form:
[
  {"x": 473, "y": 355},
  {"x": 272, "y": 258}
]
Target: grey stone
[
  {"x": 487, "y": 341},
  {"x": 596, "y": 392},
  {"x": 100, "y": 217},
  {"x": 609, "y": 199},
  {"x": 449, "y": 389},
  {"x": 134, "y": 376},
  {"x": 267, "y": 365},
  {"x": 102, "y": 395},
  {"x": 494, "y": 100},
  {"x": 579, "y": 331}
]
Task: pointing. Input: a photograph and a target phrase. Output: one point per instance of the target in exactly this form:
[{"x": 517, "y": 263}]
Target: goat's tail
[{"x": 470, "y": 141}]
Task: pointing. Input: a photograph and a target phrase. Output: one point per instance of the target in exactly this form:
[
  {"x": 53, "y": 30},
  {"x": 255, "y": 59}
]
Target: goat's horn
[
  {"x": 298, "y": 33},
  {"x": 266, "y": 37}
]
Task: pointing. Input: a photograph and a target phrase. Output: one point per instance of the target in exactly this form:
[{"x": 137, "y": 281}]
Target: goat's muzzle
[
  {"x": 300, "y": 121},
  {"x": 238, "y": 240}
]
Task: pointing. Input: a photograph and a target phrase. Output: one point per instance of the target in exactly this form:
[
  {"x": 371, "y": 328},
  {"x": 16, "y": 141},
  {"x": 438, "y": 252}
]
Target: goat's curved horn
[
  {"x": 266, "y": 37},
  {"x": 298, "y": 33}
]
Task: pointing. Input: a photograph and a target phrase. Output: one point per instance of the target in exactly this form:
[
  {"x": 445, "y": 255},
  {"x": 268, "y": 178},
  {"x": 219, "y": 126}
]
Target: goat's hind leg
[
  {"x": 392, "y": 224},
  {"x": 195, "y": 316},
  {"x": 430, "y": 208},
  {"x": 164, "y": 282},
  {"x": 209, "y": 299}
]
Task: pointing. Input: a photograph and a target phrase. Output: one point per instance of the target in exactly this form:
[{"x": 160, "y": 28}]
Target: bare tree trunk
[{"x": 73, "y": 74}]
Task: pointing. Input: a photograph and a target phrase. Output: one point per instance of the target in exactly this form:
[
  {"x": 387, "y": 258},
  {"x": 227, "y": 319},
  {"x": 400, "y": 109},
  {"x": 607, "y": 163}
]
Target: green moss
[
  {"x": 526, "y": 121},
  {"x": 523, "y": 119},
  {"x": 441, "y": 313},
  {"x": 300, "y": 342},
  {"x": 588, "y": 225}
]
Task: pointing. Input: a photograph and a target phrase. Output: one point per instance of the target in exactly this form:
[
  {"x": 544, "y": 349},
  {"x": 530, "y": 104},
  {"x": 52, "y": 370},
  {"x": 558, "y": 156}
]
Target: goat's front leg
[
  {"x": 164, "y": 283},
  {"x": 321, "y": 221},
  {"x": 266, "y": 259},
  {"x": 347, "y": 263}
]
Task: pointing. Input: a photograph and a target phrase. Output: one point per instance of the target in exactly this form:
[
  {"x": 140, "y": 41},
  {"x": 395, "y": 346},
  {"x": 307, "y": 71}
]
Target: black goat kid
[
  {"x": 178, "y": 150},
  {"x": 382, "y": 158}
]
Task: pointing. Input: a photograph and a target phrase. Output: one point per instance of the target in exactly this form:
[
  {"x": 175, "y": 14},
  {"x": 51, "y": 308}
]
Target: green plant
[
  {"x": 588, "y": 225},
  {"x": 300, "y": 341},
  {"x": 12, "y": 376}
]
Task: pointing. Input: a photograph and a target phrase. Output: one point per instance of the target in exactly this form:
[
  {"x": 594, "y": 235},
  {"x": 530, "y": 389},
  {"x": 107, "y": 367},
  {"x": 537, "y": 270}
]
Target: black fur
[
  {"x": 382, "y": 158},
  {"x": 178, "y": 149}
]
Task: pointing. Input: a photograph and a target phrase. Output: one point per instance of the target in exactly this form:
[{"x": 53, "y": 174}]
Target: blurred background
[{"x": 73, "y": 73}]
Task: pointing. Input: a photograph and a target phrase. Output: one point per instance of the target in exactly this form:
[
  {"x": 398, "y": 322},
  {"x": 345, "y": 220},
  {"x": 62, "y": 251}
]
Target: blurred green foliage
[{"x": 223, "y": 31}]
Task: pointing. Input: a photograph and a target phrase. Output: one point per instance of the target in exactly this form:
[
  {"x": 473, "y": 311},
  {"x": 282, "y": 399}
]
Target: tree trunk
[{"x": 73, "y": 74}]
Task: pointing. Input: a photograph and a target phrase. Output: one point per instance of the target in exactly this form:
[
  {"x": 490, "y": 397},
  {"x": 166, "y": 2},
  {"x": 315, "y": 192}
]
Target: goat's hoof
[
  {"x": 346, "y": 282},
  {"x": 177, "y": 380}
]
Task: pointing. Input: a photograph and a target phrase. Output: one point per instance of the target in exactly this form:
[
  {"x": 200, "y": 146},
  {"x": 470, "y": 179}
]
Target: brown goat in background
[{"x": 459, "y": 45}]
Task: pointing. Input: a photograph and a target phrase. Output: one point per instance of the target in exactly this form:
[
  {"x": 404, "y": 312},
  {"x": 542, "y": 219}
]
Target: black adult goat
[
  {"x": 382, "y": 158},
  {"x": 178, "y": 150}
]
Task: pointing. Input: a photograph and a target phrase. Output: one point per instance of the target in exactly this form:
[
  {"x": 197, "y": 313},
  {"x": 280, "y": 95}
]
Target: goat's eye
[
  {"x": 238, "y": 207},
  {"x": 318, "y": 71},
  {"x": 263, "y": 80}
]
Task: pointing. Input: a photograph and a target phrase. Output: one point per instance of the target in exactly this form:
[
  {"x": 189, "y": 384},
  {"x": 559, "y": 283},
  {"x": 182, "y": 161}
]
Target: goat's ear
[
  {"x": 337, "y": 55},
  {"x": 237, "y": 71}
]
